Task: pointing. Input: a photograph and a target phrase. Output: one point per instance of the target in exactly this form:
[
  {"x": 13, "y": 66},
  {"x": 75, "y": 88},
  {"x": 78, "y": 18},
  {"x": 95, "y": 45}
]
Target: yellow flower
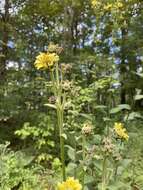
[
  {"x": 108, "y": 7},
  {"x": 121, "y": 131},
  {"x": 46, "y": 60},
  {"x": 94, "y": 2},
  {"x": 69, "y": 184},
  {"x": 119, "y": 5}
]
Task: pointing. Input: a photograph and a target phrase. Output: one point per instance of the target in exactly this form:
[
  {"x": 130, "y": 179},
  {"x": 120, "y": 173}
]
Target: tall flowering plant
[{"x": 50, "y": 61}]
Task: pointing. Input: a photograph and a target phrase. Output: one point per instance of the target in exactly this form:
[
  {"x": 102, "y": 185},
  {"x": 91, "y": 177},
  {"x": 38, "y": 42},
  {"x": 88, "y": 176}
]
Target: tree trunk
[
  {"x": 123, "y": 66},
  {"x": 5, "y": 34}
]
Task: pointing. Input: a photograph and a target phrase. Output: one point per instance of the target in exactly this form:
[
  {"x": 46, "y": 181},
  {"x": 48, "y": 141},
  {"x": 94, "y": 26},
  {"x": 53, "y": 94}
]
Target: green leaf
[
  {"x": 89, "y": 179},
  {"x": 124, "y": 106},
  {"x": 116, "y": 185},
  {"x": 64, "y": 136},
  {"x": 115, "y": 110},
  {"x": 120, "y": 108},
  {"x": 51, "y": 106},
  {"x": 71, "y": 167},
  {"x": 23, "y": 159},
  {"x": 133, "y": 116},
  {"x": 100, "y": 107},
  {"x": 97, "y": 139},
  {"x": 138, "y": 97},
  {"x": 71, "y": 153},
  {"x": 106, "y": 119},
  {"x": 87, "y": 116}
]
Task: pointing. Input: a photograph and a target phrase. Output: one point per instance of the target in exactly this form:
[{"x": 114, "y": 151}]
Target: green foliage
[
  {"x": 15, "y": 172},
  {"x": 102, "y": 44},
  {"x": 40, "y": 136}
]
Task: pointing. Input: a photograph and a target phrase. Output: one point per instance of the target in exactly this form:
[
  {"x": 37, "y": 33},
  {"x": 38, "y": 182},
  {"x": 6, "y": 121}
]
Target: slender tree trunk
[
  {"x": 67, "y": 33},
  {"x": 123, "y": 66},
  {"x": 5, "y": 35}
]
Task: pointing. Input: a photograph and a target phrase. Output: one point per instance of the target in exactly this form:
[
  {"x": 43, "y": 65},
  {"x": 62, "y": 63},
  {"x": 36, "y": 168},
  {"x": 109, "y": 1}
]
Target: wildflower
[
  {"x": 94, "y": 3},
  {"x": 46, "y": 60},
  {"x": 108, "y": 146},
  {"x": 108, "y": 7},
  {"x": 121, "y": 131},
  {"x": 52, "y": 99},
  {"x": 119, "y": 5},
  {"x": 87, "y": 129},
  {"x": 54, "y": 48},
  {"x": 66, "y": 85},
  {"x": 69, "y": 184},
  {"x": 66, "y": 68}
]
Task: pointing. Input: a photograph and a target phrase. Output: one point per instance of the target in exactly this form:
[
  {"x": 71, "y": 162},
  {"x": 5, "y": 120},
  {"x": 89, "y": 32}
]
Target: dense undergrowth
[{"x": 71, "y": 115}]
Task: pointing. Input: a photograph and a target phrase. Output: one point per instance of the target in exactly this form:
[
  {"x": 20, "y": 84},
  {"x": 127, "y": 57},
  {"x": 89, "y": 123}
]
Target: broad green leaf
[
  {"x": 124, "y": 106},
  {"x": 71, "y": 153},
  {"x": 133, "y": 116},
  {"x": 97, "y": 139},
  {"x": 118, "y": 185},
  {"x": 71, "y": 167},
  {"x": 119, "y": 108},
  {"x": 115, "y": 110},
  {"x": 139, "y": 97},
  {"x": 89, "y": 179}
]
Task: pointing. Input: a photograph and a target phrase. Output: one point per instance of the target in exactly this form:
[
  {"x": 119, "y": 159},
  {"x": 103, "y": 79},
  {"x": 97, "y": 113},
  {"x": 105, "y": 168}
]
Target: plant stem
[
  {"x": 116, "y": 171},
  {"x": 83, "y": 157},
  {"x": 60, "y": 112},
  {"x": 54, "y": 83},
  {"x": 62, "y": 152},
  {"x": 104, "y": 174},
  {"x": 75, "y": 149}
]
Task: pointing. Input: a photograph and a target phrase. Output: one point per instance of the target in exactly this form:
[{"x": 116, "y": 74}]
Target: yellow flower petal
[
  {"x": 121, "y": 131},
  {"x": 46, "y": 60},
  {"x": 69, "y": 184}
]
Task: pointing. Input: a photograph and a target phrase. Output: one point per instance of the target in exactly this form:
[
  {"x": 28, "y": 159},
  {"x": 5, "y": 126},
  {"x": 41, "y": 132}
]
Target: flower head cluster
[
  {"x": 54, "y": 48},
  {"x": 121, "y": 131},
  {"x": 87, "y": 128},
  {"x": 66, "y": 85},
  {"x": 69, "y": 184},
  {"x": 46, "y": 60},
  {"x": 108, "y": 146},
  {"x": 66, "y": 68}
]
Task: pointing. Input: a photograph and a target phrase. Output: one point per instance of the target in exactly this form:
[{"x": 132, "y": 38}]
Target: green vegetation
[{"x": 71, "y": 95}]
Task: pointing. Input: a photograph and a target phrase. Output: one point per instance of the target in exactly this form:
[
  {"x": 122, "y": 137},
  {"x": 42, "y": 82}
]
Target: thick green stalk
[
  {"x": 60, "y": 112},
  {"x": 54, "y": 83},
  {"x": 62, "y": 152},
  {"x": 75, "y": 156},
  {"x": 83, "y": 157},
  {"x": 104, "y": 174}
]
